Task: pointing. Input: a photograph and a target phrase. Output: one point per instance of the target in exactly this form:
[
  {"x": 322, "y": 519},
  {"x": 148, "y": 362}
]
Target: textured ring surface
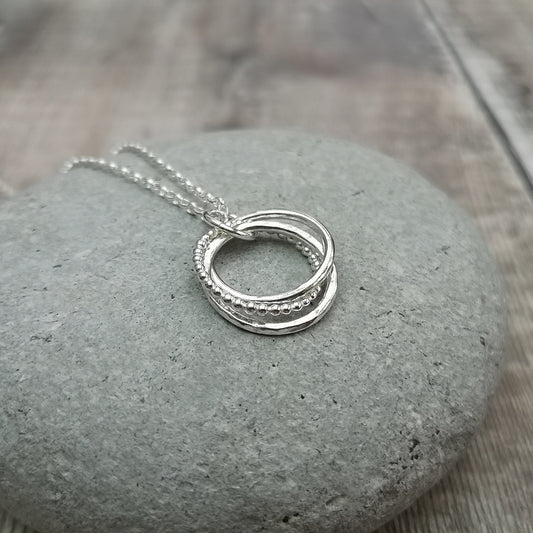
[{"x": 281, "y": 313}]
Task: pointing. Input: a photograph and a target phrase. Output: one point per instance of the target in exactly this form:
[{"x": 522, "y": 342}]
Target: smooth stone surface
[{"x": 128, "y": 405}]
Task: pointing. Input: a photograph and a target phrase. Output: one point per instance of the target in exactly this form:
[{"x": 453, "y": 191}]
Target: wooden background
[{"x": 444, "y": 85}]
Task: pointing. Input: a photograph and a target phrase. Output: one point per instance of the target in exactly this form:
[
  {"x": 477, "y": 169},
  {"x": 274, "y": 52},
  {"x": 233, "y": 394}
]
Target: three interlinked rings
[{"x": 277, "y": 314}]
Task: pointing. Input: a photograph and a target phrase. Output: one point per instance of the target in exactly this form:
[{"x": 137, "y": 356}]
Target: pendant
[{"x": 277, "y": 314}]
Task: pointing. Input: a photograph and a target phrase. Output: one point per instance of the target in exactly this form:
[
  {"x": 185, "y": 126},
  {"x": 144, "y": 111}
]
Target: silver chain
[{"x": 206, "y": 204}]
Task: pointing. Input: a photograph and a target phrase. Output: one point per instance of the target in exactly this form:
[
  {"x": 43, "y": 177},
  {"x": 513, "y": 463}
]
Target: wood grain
[{"x": 77, "y": 77}]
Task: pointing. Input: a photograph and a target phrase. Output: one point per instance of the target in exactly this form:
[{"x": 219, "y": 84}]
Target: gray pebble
[{"x": 128, "y": 405}]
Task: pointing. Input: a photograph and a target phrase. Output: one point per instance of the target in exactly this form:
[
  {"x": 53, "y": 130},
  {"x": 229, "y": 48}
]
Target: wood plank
[
  {"x": 493, "y": 42},
  {"x": 82, "y": 76}
]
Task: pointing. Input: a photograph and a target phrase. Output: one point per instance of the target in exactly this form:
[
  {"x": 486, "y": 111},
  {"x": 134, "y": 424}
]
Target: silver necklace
[{"x": 277, "y": 314}]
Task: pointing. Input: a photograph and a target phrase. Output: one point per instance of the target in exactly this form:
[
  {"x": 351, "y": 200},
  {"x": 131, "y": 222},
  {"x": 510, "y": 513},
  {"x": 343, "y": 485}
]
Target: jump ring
[{"x": 211, "y": 218}]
